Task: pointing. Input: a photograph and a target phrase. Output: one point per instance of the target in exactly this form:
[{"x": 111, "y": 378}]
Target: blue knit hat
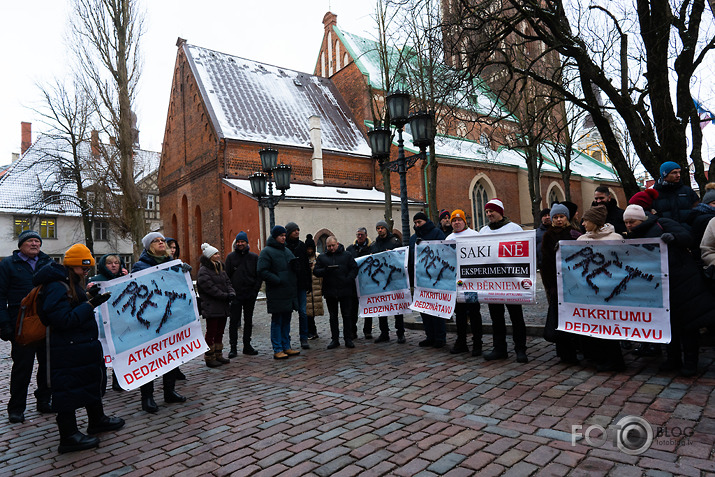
[
  {"x": 242, "y": 236},
  {"x": 26, "y": 235},
  {"x": 560, "y": 209},
  {"x": 278, "y": 230},
  {"x": 667, "y": 167}
]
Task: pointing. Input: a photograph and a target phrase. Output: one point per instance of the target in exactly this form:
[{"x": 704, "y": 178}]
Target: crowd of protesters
[{"x": 297, "y": 278}]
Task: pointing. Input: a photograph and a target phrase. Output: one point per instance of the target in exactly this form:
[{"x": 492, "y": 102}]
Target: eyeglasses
[{"x": 158, "y": 240}]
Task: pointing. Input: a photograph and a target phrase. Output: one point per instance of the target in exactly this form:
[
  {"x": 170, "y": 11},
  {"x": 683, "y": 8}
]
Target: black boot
[
  {"x": 690, "y": 364},
  {"x": 178, "y": 375},
  {"x": 460, "y": 346},
  {"x": 148, "y": 403},
  {"x": 477, "y": 349},
  {"x": 169, "y": 394},
  {"x": 100, "y": 422},
  {"x": 248, "y": 349},
  {"x": 71, "y": 439},
  {"x": 334, "y": 344},
  {"x": 496, "y": 353},
  {"x": 234, "y": 352},
  {"x": 115, "y": 383}
]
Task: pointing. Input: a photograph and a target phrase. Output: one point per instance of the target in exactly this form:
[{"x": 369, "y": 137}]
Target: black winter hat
[
  {"x": 309, "y": 242},
  {"x": 420, "y": 215}
]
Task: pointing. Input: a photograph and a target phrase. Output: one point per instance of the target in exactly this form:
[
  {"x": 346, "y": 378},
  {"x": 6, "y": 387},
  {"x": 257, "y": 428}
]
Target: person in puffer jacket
[{"x": 216, "y": 295}]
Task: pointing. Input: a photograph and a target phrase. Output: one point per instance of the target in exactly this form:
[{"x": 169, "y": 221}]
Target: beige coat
[
  {"x": 707, "y": 246},
  {"x": 607, "y": 232},
  {"x": 314, "y": 301}
]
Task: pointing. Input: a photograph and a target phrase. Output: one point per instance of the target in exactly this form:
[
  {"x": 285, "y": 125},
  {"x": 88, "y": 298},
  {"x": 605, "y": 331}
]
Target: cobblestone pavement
[{"x": 384, "y": 409}]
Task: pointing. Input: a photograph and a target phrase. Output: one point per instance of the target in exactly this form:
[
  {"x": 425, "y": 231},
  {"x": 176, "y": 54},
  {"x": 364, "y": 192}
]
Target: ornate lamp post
[
  {"x": 422, "y": 128},
  {"x": 271, "y": 170}
]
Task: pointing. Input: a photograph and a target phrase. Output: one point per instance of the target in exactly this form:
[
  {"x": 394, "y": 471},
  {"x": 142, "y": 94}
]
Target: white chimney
[{"x": 315, "y": 140}]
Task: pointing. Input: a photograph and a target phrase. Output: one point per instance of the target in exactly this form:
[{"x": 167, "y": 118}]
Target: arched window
[
  {"x": 320, "y": 237},
  {"x": 556, "y": 194},
  {"x": 174, "y": 226},
  {"x": 479, "y": 200},
  {"x": 337, "y": 55},
  {"x": 185, "y": 228},
  {"x": 197, "y": 226},
  {"x": 230, "y": 201}
]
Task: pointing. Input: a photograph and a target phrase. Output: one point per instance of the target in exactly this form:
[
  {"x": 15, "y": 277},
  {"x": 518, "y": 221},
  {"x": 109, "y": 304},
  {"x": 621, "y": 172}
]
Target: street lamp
[
  {"x": 422, "y": 128},
  {"x": 271, "y": 170}
]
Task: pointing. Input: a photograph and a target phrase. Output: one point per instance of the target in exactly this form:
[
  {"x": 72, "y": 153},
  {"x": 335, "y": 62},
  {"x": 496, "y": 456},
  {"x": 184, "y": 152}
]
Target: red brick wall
[{"x": 240, "y": 212}]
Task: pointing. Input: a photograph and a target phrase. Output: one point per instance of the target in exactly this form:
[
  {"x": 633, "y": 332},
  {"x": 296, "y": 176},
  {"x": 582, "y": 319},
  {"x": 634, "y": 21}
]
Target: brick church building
[{"x": 224, "y": 109}]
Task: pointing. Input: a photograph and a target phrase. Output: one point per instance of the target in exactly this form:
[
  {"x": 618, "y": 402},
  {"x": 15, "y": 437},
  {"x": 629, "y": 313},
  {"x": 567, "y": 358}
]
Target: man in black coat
[
  {"x": 359, "y": 248},
  {"x": 241, "y": 269},
  {"x": 675, "y": 199},
  {"x": 384, "y": 241},
  {"x": 16, "y": 274},
  {"x": 305, "y": 281},
  {"x": 338, "y": 270},
  {"x": 602, "y": 196},
  {"x": 435, "y": 328}
]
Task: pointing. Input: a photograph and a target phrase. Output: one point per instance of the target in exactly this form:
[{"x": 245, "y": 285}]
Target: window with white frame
[{"x": 150, "y": 202}]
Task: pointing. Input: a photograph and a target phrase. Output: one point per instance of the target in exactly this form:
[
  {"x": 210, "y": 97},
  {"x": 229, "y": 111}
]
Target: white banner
[
  {"x": 497, "y": 268},
  {"x": 382, "y": 283},
  {"x": 614, "y": 289},
  {"x": 435, "y": 278},
  {"x": 151, "y": 323}
]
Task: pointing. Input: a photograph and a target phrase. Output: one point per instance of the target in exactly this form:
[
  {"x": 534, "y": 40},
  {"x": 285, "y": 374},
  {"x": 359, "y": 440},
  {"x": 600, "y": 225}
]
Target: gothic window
[
  {"x": 337, "y": 55},
  {"x": 479, "y": 199},
  {"x": 484, "y": 140}
]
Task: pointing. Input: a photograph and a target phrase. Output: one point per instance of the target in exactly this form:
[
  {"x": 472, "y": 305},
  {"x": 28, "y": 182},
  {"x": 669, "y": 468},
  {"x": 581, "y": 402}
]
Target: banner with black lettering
[
  {"x": 435, "y": 278},
  {"x": 151, "y": 323},
  {"x": 614, "y": 289},
  {"x": 382, "y": 283},
  {"x": 498, "y": 268}
]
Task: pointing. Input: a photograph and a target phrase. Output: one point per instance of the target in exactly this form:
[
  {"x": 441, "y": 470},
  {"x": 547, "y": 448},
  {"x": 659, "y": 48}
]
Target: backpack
[{"x": 29, "y": 328}]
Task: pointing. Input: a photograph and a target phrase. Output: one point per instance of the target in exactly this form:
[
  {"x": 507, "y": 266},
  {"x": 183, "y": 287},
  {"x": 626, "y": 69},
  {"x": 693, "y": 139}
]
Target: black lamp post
[
  {"x": 422, "y": 127},
  {"x": 271, "y": 170}
]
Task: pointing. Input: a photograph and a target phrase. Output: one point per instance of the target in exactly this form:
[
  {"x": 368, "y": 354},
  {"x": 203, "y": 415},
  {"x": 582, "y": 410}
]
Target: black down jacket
[
  {"x": 338, "y": 271},
  {"x": 241, "y": 267},
  {"x": 215, "y": 289},
  {"x": 691, "y": 303},
  {"x": 76, "y": 358}
]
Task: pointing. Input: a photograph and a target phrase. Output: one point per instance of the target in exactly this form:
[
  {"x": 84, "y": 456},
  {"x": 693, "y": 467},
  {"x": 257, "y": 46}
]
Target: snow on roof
[
  {"x": 364, "y": 52},
  {"x": 38, "y": 172},
  {"x": 324, "y": 193},
  {"x": 466, "y": 150},
  {"x": 256, "y": 102}
]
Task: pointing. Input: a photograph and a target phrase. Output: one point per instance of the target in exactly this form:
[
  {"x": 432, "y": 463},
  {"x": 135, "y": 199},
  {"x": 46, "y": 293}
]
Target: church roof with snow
[{"x": 252, "y": 101}]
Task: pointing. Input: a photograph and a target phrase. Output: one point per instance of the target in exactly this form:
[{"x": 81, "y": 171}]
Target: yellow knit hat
[{"x": 78, "y": 255}]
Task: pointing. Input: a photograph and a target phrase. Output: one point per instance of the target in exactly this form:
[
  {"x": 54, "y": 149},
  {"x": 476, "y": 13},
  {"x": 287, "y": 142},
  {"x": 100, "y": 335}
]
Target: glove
[
  {"x": 668, "y": 237},
  {"x": 99, "y": 299},
  {"x": 6, "y": 332},
  {"x": 185, "y": 267}
]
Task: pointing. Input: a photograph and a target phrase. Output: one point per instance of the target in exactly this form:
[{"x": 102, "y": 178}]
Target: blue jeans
[
  {"x": 302, "y": 315},
  {"x": 280, "y": 331}
]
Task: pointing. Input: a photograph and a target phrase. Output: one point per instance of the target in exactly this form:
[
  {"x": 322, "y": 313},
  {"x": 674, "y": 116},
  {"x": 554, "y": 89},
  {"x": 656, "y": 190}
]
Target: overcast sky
[{"x": 279, "y": 32}]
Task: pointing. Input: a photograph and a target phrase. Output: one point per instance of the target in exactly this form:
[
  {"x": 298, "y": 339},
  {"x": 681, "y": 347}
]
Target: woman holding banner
[
  {"x": 75, "y": 355},
  {"x": 691, "y": 303},
  {"x": 155, "y": 253}
]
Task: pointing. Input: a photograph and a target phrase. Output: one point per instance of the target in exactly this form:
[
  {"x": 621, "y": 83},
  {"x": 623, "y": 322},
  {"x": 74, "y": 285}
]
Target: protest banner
[
  {"x": 499, "y": 268},
  {"x": 151, "y": 323},
  {"x": 435, "y": 278},
  {"x": 382, "y": 283},
  {"x": 614, "y": 289}
]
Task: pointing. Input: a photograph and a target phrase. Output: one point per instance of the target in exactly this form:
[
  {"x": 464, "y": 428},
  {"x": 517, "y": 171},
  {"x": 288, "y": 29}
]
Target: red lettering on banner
[{"x": 514, "y": 249}]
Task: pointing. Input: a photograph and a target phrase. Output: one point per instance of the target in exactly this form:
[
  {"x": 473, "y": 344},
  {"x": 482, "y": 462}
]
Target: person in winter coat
[
  {"x": 338, "y": 270},
  {"x": 707, "y": 245},
  {"x": 16, "y": 272},
  {"x": 594, "y": 221},
  {"x": 500, "y": 224},
  {"x": 561, "y": 229},
  {"x": 360, "y": 248},
  {"x": 241, "y": 269},
  {"x": 675, "y": 199},
  {"x": 465, "y": 311},
  {"x": 314, "y": 300},
  {"x": 435, "y": 328},
  {"x": 303, "y": 278},
  {"x": 276, "y": 266},
  {"x": 216, "y": 295},
  {"x": 605, "y": 353},
  {"x": 701, "y": 216},
  {"x": 691, "y": 303},
  {"x": 545, "y": 216},
  {"x": 155, "y": 253},
  {"x": 384, "y": 241},
  {"x": 614, "y": 214},
  {"x": 109, "y": 267},
  {"x": 75, "y": 353},
  {"x": 445, "y": 224}
]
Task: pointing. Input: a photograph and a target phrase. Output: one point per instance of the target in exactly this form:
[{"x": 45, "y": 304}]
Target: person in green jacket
[{"x": 276, "y": 266}]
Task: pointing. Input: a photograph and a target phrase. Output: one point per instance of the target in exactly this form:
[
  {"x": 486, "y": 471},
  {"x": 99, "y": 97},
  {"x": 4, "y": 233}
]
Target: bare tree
[
  {"x": 63, "y": 151},
  {"x": 653, "y": 51},
  {"x": 106, "y": 36}
]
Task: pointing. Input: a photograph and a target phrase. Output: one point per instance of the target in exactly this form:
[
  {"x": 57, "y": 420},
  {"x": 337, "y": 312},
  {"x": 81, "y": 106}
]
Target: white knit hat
[
  {"x": 208, "y": 250},
  {"x": 634, "y": 212}
]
